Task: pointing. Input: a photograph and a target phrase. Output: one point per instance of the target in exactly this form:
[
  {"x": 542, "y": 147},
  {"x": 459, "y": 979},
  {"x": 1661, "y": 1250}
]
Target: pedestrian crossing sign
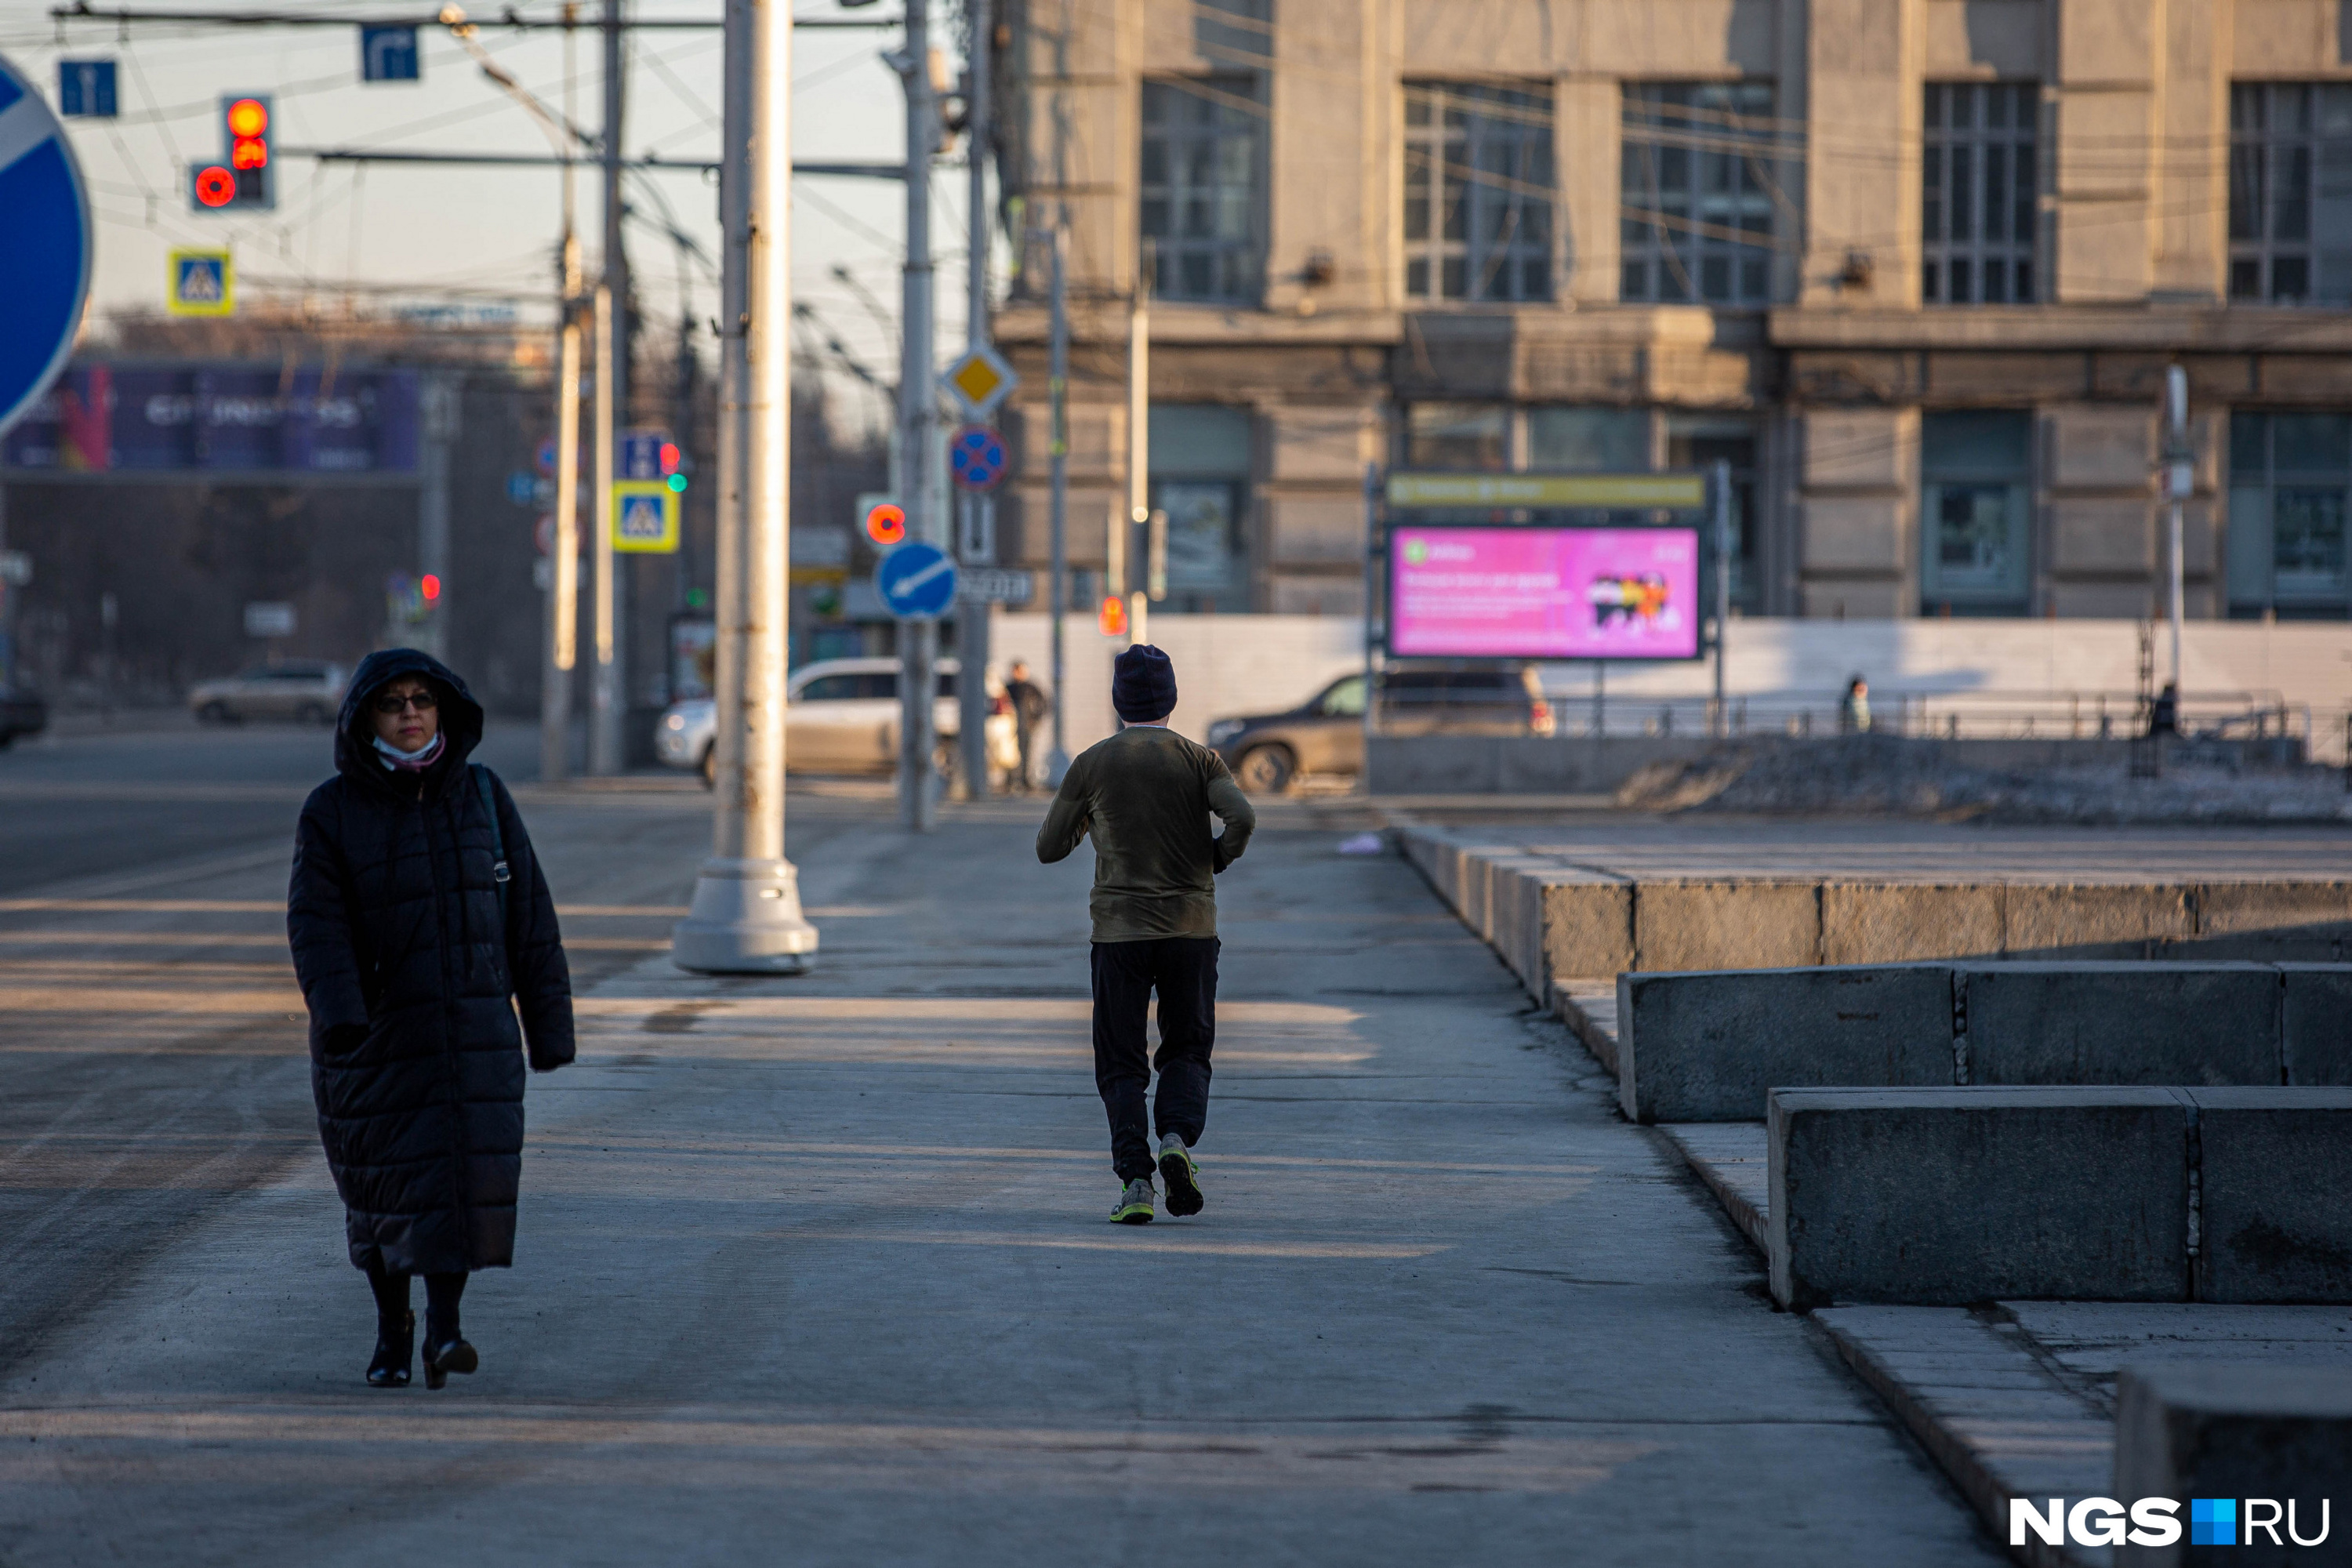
[
  {"x": 644, "y": 517},
  {"x": 203, "y": 283}
]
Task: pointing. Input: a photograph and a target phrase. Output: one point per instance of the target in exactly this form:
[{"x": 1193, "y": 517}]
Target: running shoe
[
  {"x": 1134, "y": 1206},
  {"x": 1182, "y": 1177}
]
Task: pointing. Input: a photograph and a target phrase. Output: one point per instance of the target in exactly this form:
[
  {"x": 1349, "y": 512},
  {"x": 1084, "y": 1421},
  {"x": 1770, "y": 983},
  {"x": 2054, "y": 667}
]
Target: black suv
[{"x": 1325, "y": 734}]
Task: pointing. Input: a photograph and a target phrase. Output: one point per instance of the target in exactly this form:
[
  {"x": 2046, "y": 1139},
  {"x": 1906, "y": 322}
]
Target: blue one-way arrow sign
[
  {"x": 45, "y": 267},
  {"x": 388, "y": 54},
  {"x": 85, "y": 89},
  {"x": 916, "y": 581}
]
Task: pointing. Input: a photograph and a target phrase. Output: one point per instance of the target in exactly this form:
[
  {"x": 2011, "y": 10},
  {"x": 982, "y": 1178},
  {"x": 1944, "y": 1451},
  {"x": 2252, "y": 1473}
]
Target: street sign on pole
[
  {"x": 85, "y": 89},
  {"x": 917, "y": 582},
  {"x": 45, "y": 267},
  {"x": 646, "y": 455},
  {"x": 389, "y": 54},
  {"x": 977, "y": 457},
  {"x": 201, "y": 283},
  {"x": 994, "y": 585},
  {"x": 644, "y": 517},
  {"x": 979, "y": 381}
]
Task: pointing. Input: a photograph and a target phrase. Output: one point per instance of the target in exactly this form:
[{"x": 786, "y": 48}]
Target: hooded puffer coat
[{"x": 416, "y": 1061}]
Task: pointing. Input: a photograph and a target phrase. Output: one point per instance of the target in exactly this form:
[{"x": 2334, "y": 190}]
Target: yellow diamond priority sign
[{"x": 979, "y": 382}]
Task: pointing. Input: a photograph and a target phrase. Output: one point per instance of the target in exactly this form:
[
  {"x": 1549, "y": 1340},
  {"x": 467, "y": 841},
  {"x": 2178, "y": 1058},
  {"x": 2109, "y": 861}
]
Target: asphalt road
[{"x": 818, "y": 1271}]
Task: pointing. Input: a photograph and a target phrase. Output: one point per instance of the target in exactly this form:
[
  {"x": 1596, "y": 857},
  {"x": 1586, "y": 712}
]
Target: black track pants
[{"x": 1183, "y": 970}]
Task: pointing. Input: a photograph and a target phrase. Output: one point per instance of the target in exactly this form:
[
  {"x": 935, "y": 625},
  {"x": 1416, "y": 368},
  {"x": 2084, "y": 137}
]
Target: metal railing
[{"x": 1978, "y": 715}]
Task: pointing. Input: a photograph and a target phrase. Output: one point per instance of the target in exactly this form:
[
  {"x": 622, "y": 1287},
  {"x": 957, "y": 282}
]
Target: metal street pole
[
  {"x": 1139, "y": 449},
  {"x": 1057, "y": 759},
  {"x": 2179, "y": 479},
  {"x": 918, "y": 427},
  {"x": 1720, "y": 724},
  {"x": 746, "y": 915},
  {"x": 972, "y": 626},
  {"x": 603, "y": 723},
  {"x": 563, "y": 547},
  {"x": 612, "y": 413}
]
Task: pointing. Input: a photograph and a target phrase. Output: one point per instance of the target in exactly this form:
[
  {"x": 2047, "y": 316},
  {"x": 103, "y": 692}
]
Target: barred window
[
  {"x": 1696, "y": 193},
  {"x": 1979, "y": 181},
  {"x": 1202, "y": 195},
  {"x": 2291, "y": 192},
  {"x": 1477, "y": 192}
]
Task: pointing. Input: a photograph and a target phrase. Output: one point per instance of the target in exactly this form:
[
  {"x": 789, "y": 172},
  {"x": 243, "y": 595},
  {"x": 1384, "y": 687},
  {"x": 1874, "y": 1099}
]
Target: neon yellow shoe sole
[
  {"x": 1182, "y": 1179},
  {"x": 1138, "y": 1213}
]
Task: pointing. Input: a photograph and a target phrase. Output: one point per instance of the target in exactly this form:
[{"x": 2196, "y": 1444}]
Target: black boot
[
  {"x": 452, "y": 1355},
  {"x": 396, "y": 1343}
]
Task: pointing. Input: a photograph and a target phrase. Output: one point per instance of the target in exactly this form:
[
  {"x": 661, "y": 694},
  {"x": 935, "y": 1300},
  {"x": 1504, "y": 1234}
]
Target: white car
[
  {"x": 841, "y": 716},
  {"x": 305, "y": 692}
]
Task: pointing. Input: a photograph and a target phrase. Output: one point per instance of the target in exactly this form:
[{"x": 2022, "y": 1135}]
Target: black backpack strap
[{"x": 498, "y": 871}]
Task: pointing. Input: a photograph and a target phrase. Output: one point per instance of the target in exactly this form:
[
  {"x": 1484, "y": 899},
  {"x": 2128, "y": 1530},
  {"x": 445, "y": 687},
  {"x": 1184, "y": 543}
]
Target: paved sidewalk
[{"x": 816, "y": 1271}]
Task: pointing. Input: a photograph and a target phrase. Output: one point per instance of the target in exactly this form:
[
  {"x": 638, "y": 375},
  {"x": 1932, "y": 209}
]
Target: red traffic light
[
  {"x": 215, "y": 186},
  {"x": 885, "y": 522},
  {"x": 248, "y": 116},
  {"x": 1113, "y": 619},
  {"x": 430, "y": 586},
  {"x": 669, "y": 459}
]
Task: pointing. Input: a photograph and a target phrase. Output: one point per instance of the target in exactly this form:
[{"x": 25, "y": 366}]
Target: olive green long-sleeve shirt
[{"x": 1146, "y": 794}]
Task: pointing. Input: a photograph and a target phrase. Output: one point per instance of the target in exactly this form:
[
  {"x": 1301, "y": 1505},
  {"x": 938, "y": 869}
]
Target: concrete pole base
[{"x": 745, "y": 920}]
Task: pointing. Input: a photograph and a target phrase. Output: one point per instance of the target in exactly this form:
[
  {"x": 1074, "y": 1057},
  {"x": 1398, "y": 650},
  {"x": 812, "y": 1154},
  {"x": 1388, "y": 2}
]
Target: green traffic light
[{"x": 677, "y": 484}]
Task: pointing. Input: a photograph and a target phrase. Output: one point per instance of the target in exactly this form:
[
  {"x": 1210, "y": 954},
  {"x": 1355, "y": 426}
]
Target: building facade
[{"x": 1915, "y": 269}]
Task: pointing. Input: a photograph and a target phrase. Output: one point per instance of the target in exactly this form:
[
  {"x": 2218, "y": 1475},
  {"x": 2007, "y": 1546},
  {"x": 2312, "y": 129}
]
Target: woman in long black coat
[{"x": 418, "y": 910}]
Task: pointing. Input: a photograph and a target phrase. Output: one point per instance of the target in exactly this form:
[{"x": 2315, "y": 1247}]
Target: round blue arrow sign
[
  {"x": 45, "y": 267},
  {"x": 917, "y": 582}
]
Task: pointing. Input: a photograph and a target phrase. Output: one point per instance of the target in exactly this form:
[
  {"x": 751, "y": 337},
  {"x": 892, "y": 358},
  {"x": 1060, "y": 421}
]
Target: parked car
[
  {"x": 841, "y": 716},
  {"x": 21, "y": 712},
  {"x": 304, "y": 692},
  {"x": 1325, "y": 734}
]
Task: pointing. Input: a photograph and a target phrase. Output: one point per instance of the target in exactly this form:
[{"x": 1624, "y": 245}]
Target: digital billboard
[{"x": 1543, "y": 593}]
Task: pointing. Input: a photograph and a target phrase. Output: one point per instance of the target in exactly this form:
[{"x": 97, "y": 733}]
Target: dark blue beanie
[{"x": 1143, "y": 685}]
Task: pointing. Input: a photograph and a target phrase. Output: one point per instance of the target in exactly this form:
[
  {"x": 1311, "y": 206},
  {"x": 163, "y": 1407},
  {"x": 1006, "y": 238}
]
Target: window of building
[
  {"x": 1696, "y": 193},
  {"x": 1200, "y": 201},
  {"x": 1562, "y": 438},
  {"x": 2291, "y": 192},
  {"x": 2290, "y": 476},
  {"x": 1975, "y": 532},
  {"x": 1979, "y": 182},
  {"x": 1457, "y": 436},
  {"x": 1477, "y": 192},
  {"x": 1200, "y": 477},
  {"x": 1699, "y": 442}
]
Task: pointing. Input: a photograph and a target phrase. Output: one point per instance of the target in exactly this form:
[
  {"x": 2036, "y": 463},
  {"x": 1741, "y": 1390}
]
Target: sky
[{"x": 409, "y": 235}]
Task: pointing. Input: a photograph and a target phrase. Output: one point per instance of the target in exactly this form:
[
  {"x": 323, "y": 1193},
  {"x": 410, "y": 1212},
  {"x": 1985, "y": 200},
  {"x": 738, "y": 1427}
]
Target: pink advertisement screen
[{"x": 1543, "y": 593}]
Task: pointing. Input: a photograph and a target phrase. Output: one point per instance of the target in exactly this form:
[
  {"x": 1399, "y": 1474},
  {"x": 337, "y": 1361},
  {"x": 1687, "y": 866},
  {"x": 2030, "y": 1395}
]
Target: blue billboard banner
[{"x": 102, "y": 417}]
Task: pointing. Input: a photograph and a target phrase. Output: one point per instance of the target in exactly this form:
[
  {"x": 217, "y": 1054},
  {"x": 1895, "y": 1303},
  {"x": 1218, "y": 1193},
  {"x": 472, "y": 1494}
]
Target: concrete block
[
  {"x": 1945, "y": 1196},
  {"x": 2270, "y": 921},
  {"x": 2093, "y": 919},
  {"x": 1588, "y": 924},
  {"x": 2086, "y": 1022},
  {"x": 2316, "y": 1023},
  {"x": 1726, "y": 925},
  {"x": 1895, "y": 923},
  {"x": 2276, "y": 1194},
  {"x": 2252, "y": 1432},
  {"x": 1709, "y": 1047}
]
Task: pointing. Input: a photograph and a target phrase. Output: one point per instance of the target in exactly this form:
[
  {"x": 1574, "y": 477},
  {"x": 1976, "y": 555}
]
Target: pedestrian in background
[
  {"x": 1029, "y": 706},
  {"x": 418, "y": 918},
  {"x": 2164, "y": 713},
  {"x": 1146, "y": 795},
  {"x": 1853, "y": 708}
]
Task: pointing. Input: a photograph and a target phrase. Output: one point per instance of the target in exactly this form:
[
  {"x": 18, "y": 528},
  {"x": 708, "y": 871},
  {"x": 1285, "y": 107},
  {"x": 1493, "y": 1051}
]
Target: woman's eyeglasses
[{"x": 423, "y": 702}]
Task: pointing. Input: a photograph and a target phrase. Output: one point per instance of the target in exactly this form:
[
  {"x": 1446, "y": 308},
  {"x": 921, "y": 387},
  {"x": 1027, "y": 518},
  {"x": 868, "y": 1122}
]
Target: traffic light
[
  {"x": 885, "y": 522},
  {"x": 242, "y": 181},
  {"x": 673, "y": 466},
  {"x": 1113, "y": 619}
]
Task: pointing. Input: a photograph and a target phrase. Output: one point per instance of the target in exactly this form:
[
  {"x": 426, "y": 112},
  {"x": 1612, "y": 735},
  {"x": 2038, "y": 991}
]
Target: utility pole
[
  {"x": 746, "y": 916},
  {"x": 972, "y": 615},
  {"x": 612, "y": 413},
  {"x": 1720, "y": 725},
  {"x": 1057, "y": 390},
  {"x": 1139, "y": 449},
  {"x": 2179, "y": 479},
  {"x": 563, "y": 547},
  {"x": 917, "y": 429}
]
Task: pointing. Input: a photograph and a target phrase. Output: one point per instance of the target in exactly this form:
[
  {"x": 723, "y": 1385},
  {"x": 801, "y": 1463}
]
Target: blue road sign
[
  {"x": 85, "y": 89},
  {"x": 640, "y": 455},
  {"x": 45, "y": 267},
  {"x": 976, "y": 457},
  {"x": 388, "y": 54},
  {"x": 522, "y": 489},
  {"x": 916, "y": 581}
]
